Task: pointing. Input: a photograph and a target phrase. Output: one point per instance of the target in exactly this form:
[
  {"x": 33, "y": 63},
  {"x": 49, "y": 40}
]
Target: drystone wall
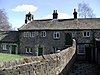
[{"x": 52, "y": 64}]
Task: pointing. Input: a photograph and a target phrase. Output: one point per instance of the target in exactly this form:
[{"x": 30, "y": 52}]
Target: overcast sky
[{"x": 42, "y": 9}]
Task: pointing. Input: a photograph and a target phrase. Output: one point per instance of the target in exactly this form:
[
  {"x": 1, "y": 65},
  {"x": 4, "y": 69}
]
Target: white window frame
[
  {"x": 43, "y": 34},
  {"x": 30, "y": 50},
  {"x": 29, "y": 34},
  {"x": 55, "y": 35},
  {"x": 4, "y": 46},
  {"x": 26, "y": 34},
  {"x": 27, "y": 48},
  {"x": 55, "y": 49},
  {"x": 80, "y": 49},
  {"x": 32, "y": 34},
  {"x": 87, "y": 34}
]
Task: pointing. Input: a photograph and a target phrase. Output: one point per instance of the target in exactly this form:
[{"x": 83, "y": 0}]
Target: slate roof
[
  {"x": 9, "y": 36},
  {"x": 61, "y": 24}
]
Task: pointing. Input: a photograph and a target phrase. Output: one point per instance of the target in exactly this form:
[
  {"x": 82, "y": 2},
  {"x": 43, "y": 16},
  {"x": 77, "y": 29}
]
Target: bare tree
[
  {"x": 85, "y": 10},
  {"x": 4, "y": 24}
]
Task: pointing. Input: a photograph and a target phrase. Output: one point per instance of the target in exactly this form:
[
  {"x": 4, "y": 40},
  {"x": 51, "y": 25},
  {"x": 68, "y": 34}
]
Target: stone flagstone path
[{"x": 84, "y": 68}]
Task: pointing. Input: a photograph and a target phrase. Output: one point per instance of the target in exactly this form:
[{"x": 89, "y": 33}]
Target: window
[
  {"x": 56, "y": 35},
  {"x": 80, "y": 49},
  {"x": 4, "y": 46},
  {"x": 28, "y": 50},
  {"x": 32, "y": 34},
  {"x": 74, "y": 34},
  {"x": 43, "y": 34},
  {"x": 55, "y": 49},
  {"x": 26, "y": 34},
  {"x": 86, "y": 34}
]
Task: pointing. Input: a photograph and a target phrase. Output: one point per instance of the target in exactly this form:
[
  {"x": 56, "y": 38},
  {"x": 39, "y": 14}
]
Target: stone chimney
[
  {"x": 75, "y": 14},
  {"x": 28, "y": 17},
  {"x": 55, "y": 14}
]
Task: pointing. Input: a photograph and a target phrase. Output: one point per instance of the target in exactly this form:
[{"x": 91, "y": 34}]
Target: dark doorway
[
  {"x": 97, "y": 56},
  {"x": 68, "y": 39},
  {"x": 88, "y": 53},
  {"x": 13, "y": 51},
  {"x": 40, "y": 51}
]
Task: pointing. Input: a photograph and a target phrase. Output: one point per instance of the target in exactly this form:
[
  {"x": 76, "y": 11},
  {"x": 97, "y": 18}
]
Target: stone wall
[{"x": 52, "y": 64}]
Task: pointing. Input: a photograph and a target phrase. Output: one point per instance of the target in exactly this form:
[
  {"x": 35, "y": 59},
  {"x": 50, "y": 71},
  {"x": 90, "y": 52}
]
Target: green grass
[{"x": 9, "y": 57}]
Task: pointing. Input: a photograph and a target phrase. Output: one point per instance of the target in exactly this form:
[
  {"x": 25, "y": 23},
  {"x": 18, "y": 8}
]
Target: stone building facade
[
  {"x": 40, "y": 37},
  {"x": 49, "y": 41},
  {"x": 50, "y": 36}
]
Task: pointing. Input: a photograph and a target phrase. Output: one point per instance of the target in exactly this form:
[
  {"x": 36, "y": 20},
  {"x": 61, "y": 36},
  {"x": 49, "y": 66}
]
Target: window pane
[
  {"x": 81, "y": 49},
  {"x": 88, "y": 34},
  {"x": 84, "y": 33},
  {"x": 27, "y": 34},
  {"x": 24, "y": 34},
  {"x": 32, "y": 34},
  {"x": 30, "y": 50},
  {"x": 4, "y": 46},
  {"x": 43, "y": 34},
  {"x": 58, "y": 35},
  {"x": 55, "y": 35},
  {"x": 27, "y": 50}
]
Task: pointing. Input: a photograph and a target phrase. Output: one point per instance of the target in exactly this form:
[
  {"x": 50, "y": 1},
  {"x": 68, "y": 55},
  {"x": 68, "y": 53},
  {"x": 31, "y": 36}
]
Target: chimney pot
[
  {"x": 28, "y": 17},
  {"x": 75, "y": 14},
  {"x": 55, "y": 14}
]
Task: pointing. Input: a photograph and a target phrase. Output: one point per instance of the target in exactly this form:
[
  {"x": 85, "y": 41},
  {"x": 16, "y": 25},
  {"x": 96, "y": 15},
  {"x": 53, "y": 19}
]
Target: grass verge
[{"x": 9, "y": 57}]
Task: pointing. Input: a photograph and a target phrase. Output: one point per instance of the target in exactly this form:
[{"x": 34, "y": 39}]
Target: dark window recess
[
  {"x": 54, "y": 35},
  {"x": 88, "y": 34},
  {"x": 84, "y": 33},
  {"x": 57, "y": 35},
  {"x": 28, "y": 50},
  {"x": 43, "y": 34}
]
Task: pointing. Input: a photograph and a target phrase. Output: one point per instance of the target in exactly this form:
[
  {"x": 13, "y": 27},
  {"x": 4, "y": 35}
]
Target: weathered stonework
[
  {"x": 50, "y": 45},
  {"x": 52, "y": 64},
  {"x": 47, "y": 42}
]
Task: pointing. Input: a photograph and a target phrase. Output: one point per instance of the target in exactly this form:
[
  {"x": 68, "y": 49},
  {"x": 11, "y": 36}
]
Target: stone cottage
[
  {"x": 9, "y": 42},
  {"x": 39, "y": 37}
]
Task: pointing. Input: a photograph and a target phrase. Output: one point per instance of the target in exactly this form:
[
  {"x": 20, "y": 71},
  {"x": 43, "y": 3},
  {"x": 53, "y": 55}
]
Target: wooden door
[
  {"x": 40, "y": 51},
  {"x": 13, "y": 51}
]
